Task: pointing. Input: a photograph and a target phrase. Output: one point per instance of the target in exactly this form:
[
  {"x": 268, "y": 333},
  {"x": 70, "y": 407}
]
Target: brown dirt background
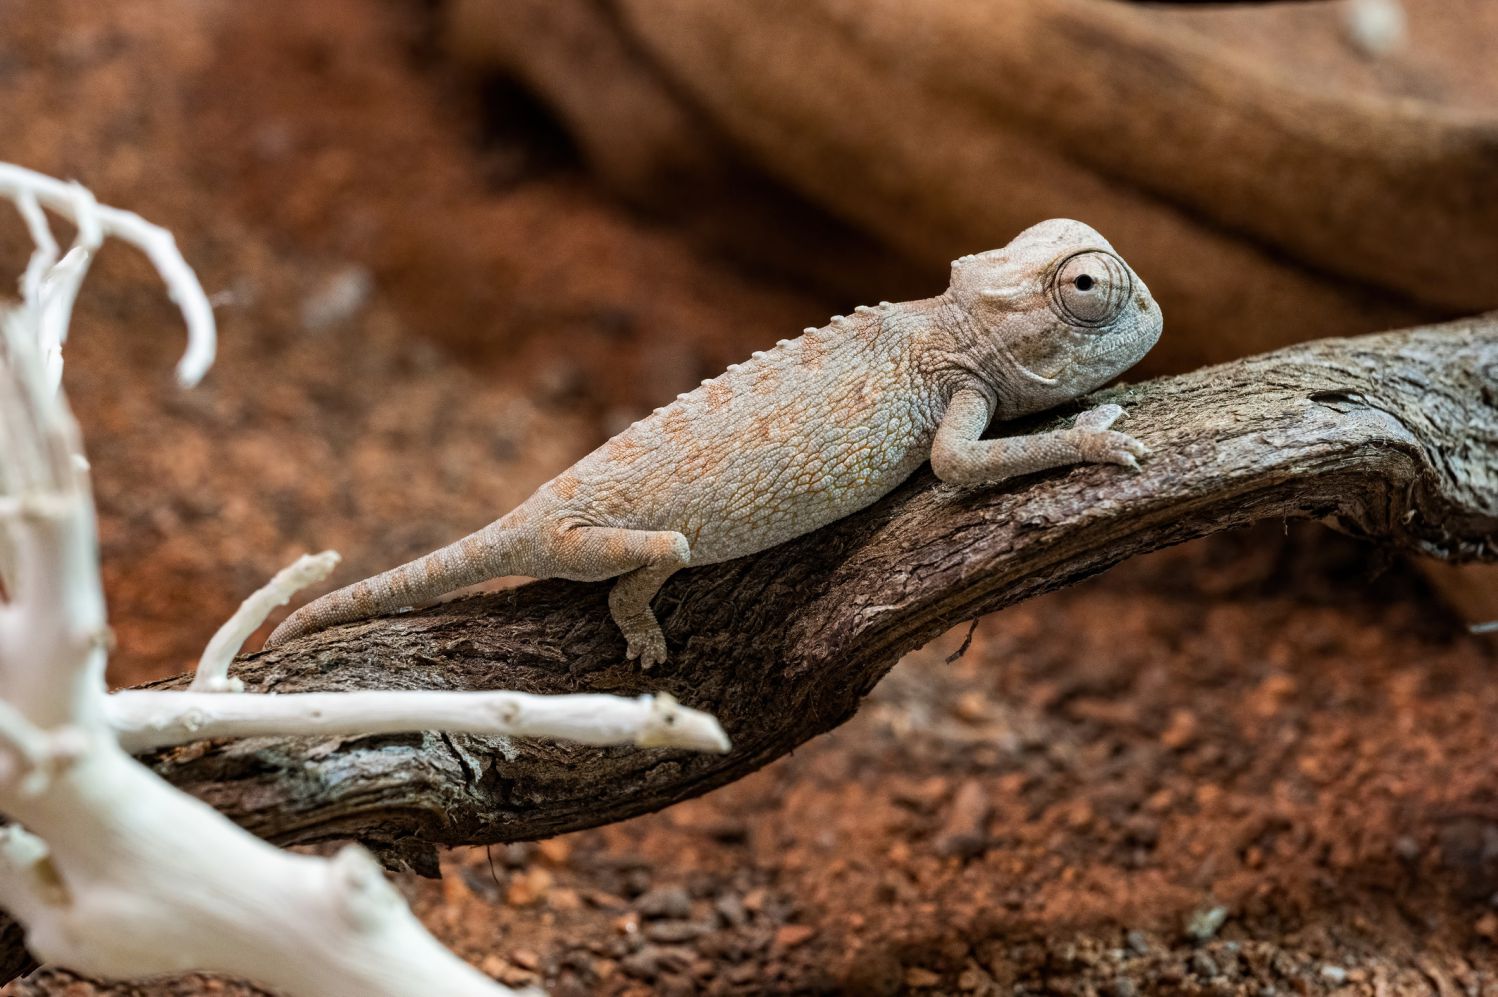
[{"x": 1257, "y": 765}]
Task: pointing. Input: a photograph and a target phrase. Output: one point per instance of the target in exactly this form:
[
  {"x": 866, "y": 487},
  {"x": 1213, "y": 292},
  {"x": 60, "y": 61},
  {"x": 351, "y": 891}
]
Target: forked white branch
[
  {"x": 213, "y": 667},
  {"x": 145, "y": 720},
  {"x": 112, "y": 871},
  {"x": 50, "y": 285}
]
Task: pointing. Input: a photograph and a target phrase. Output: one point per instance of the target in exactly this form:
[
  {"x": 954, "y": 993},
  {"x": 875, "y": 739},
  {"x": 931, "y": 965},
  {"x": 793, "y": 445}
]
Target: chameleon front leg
[
  {"x": 959, "y": 457},
  {"x": 642, "y": 560}
]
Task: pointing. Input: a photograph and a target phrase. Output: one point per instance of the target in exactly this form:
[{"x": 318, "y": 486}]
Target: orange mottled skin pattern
[{"x": 814, "y": 429}]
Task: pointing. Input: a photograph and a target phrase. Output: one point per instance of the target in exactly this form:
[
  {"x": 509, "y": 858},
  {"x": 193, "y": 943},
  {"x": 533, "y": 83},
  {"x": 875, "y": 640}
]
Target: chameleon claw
[{"x": 649, "y": 651}]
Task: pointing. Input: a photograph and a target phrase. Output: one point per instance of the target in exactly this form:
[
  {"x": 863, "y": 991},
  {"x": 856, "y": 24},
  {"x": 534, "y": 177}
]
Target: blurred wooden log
[
  {"x": 646, "y": 142},
  {"x": 1471, "y": 590},
  {"x": 1254, "y": 205},
  {"x": 1393, "y": 437}
]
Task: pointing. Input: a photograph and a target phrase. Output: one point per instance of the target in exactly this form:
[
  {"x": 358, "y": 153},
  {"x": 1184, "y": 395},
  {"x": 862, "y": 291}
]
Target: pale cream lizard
[{"x": 814, "y": 429}]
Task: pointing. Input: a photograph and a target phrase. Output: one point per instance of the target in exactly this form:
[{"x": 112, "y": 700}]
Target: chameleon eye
[{"x": 1090, "y": 289}]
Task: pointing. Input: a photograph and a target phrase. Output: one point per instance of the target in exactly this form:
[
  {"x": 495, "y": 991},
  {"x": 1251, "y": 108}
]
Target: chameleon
[{"x": 814, "y": 429}]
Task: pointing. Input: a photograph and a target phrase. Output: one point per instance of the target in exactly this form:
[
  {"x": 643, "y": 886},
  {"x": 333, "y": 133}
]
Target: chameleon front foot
[{"x": 1096, "y": 443}]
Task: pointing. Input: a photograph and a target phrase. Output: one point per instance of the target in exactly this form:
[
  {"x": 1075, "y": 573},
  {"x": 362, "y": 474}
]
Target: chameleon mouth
[{"x": 1129, "y": 345}]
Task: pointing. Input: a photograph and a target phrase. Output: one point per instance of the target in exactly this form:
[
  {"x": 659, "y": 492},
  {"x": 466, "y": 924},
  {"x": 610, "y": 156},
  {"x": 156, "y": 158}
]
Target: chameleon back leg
[{"x": 644, "y": 559}]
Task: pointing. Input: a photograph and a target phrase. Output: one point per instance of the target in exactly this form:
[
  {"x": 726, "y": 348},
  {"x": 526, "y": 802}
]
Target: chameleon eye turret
[{"x": 1091, "y": 289}]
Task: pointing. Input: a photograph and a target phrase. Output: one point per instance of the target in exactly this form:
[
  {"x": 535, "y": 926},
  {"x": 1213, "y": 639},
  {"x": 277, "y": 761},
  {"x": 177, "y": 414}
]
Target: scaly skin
[{"x": 814, "y": 429}]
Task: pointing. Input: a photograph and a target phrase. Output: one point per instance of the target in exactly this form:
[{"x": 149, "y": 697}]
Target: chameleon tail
[{"x": 487, "y": 553}]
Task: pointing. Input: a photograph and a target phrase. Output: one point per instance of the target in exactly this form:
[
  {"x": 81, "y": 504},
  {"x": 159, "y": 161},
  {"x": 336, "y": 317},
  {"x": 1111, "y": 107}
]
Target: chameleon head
[{"x": 1052, "y": 315}]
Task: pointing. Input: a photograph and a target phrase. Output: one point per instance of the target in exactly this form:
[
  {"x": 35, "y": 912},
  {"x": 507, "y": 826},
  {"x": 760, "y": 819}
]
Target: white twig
[
  {"x": 51, "y": 663},
  {"x": 28, "y": 746},
  {"x": 213, "y": 667},
  {"x": 28, "y": 189},
  {"x": 60, "y": 284},
  {"x": 28, "y": 884},
  {"x": 146, "y": 719},
  {"x": 44, "y": 253}
]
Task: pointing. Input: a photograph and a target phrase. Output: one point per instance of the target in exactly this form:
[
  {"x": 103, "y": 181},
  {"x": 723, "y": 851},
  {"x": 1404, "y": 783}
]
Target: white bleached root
[
  {"x": 213, "y": 667},
  {"x": 50, "y": 285},
  {"x": 112, "y": 871},
  {"x": 153, "y": 719},
  {"x": 127, "y": 877}
]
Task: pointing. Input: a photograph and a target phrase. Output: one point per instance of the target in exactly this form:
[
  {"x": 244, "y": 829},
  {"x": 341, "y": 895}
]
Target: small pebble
[
  {"x": 1205, "y": 922},
  {"x": 790, "y": 935},
  {"x": 653, "y": 960},
  {"x": 965, "y": 833},
  {"x": 1335, "y": 975},
  {"x": 744, "y": 974},
  {"x": 917, "y": 976},
  {"x": 675, "y": 932},
  {"x": 731, "y": 910},
  {"x": 554, "y": 850},
  {"x": 664, "y": 902},
  {"x": 337, "y": 298},
  {"x": 528, "y": 887},
  {"x": 1376, "y": 28},
  {"x": 636, "y": 882}
]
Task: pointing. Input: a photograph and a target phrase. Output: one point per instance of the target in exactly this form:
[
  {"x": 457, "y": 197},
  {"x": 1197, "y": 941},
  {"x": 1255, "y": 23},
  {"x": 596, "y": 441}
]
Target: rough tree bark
[{"x": 1394, "y": 437}]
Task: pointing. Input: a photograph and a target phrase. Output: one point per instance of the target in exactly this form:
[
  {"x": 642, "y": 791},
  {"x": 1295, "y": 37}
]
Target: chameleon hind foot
[{"x": 629, "y": 605}]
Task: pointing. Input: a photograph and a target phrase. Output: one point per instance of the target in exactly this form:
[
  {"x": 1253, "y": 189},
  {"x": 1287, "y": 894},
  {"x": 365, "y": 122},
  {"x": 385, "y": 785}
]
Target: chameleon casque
[{"x": 815, "y": 429}]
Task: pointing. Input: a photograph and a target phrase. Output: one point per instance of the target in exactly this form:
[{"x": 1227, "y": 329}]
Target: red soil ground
[{"x": 1257, "y": 765}]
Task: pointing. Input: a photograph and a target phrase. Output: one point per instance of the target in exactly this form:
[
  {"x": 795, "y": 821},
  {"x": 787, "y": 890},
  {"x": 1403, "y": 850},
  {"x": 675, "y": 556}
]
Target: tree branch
[{"x": 1393, "y": 437}]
